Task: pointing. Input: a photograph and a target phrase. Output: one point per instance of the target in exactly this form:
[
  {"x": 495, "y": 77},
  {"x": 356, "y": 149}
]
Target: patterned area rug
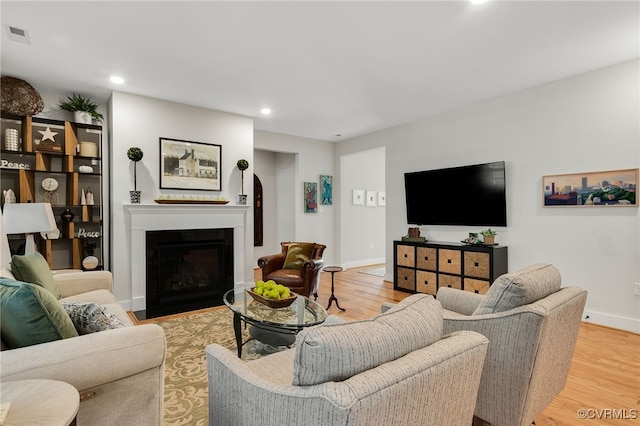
[{"x": 185, "y": 387}]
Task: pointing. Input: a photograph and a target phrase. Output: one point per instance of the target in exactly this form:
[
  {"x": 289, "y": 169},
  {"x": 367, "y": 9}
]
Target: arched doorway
[{"x": 257, "y": 212}]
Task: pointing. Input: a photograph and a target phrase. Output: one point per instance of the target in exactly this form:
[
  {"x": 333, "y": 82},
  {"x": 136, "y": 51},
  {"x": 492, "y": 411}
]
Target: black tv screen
[{"x": 468, "y": 195}]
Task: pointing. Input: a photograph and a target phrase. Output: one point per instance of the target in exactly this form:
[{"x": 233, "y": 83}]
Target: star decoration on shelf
[{"x": 47, "y": 134}]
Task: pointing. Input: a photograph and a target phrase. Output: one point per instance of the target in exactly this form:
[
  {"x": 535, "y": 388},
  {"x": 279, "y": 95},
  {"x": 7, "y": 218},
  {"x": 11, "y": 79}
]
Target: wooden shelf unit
[
  {"x": 425, "y": 267},
  {"x": 24, "y": 170}
]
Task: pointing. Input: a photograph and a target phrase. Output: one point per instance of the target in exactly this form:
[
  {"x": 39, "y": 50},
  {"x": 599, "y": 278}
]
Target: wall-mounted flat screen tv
[{"x": 468, "y": 195}]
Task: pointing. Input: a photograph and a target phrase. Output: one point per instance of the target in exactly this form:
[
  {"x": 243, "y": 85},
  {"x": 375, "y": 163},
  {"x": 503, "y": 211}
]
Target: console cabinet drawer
[
  {"x": 406, "y": 256},
  {"x": 406, "y": 278},
  {"x": 426, "y": 258},
  {"x": 450, "y": 261},
  {"x": 452, "y": 281},
  {"x": 426, "y": 282},
  {"x": 476, "y": 286},
  {"x": 477, "y": 264}
]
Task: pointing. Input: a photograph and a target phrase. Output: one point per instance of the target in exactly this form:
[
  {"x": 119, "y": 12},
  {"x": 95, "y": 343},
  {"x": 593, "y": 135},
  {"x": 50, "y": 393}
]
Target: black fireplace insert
[{"x": 187, "y": 269}]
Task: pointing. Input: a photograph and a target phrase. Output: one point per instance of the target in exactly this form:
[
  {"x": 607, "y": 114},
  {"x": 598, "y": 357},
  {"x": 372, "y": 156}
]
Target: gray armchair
[
  {"x": 532, "y": 326},
  {"x": 396, "y": 368}
]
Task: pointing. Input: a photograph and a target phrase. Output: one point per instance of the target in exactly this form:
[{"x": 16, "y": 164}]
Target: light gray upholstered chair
[
  {"x": 532, "y": 325},
  {"x": 396, "y": 368}
]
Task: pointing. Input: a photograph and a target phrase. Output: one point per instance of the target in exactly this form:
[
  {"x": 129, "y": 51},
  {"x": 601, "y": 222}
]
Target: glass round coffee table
[{"x": 274, "y": 326}]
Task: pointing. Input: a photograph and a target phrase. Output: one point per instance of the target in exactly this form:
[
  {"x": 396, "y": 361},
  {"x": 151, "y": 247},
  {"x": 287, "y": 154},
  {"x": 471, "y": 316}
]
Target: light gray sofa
[
  {"x": 532, "y": 325},
  {"x": 396, "y": 368},
  {"x": 119, "y": 373}
]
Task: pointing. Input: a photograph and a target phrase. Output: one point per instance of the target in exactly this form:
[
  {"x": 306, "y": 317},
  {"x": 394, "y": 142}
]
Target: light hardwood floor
[{"x": 605, "y": 373}]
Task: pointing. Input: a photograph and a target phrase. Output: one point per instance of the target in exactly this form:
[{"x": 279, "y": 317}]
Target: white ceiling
[{"x": 326, "y": 68}]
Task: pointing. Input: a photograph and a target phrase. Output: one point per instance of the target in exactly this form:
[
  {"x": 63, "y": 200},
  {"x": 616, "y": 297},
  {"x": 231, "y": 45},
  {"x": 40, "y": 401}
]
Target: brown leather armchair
[{"x": 303, "y": 281}]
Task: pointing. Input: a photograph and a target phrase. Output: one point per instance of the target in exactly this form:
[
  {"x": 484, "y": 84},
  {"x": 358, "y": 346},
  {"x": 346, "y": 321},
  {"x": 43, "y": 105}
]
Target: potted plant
[
  {"x": 83, "y": 108},
  {"x": 135, "y": 154},
  {"x": 242, "y": 165},
  {"x": 489, "y": 236}
]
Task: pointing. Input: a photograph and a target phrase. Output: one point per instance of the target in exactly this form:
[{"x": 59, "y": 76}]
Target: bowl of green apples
[{"x": 272, "y": 294}]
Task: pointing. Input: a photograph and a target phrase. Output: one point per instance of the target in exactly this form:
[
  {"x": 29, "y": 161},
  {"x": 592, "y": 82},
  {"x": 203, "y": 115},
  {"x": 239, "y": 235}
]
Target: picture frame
[
  {"x": 613, "y": 188},
  {"x": 371, "y": 198},
  {"x": 326, "y": 190},
  {"x": 310, "y": 197},
  {"x": 358, "y": 197},
  {"x": 382, "y": 198},
  {"x": 190, "y": 165}
]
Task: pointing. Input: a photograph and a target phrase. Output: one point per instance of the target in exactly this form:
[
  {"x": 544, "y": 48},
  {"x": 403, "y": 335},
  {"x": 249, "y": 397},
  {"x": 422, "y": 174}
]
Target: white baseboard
[
  {"x": 363, "y": 262},
  {"x": 613, "y": 321}
]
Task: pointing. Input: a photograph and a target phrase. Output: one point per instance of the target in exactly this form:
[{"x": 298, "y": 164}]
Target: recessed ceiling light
[
  {"x": 117, "y": 80},
  {"x": 265, "y": 111},
  {"x": 478, "y": 1}
]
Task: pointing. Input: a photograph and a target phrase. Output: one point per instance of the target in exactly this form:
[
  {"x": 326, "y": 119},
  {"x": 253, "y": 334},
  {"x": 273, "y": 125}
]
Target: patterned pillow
[
  {"x": 31, "y": 315},
  {"x": 337, "y": 352},
  {"x": 297, "y": 254},
  {"x": 91, "y": 317},
  {"x": 520, "y": 288}
]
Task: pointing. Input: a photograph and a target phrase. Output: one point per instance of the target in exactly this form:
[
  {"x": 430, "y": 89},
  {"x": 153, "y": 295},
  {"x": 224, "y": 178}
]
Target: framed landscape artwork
[
  {"x": 608, "y": 188},
  {"x": 310, "y": 197},
  {"x": 189, "y": 165}
]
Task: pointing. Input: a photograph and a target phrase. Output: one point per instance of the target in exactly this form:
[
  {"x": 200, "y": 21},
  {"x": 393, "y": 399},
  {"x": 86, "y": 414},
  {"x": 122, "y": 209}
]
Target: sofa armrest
[
  {"x": 90, "y": 360},
  {"x": 460, "y": 301},
  {"x": 271, "y": 263},
  {"x": 73, "y": 283}
]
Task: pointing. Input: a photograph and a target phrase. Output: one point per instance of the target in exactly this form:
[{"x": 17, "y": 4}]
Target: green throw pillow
[
  {"x": 297, "y": 254},
  {"x": 34, "y": 269},
  {"x": 31, "y": 315}
]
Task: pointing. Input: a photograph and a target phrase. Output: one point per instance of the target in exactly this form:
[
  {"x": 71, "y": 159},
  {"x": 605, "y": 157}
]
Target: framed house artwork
[
  {"x": 189, "y": 165},
  {"x": 310, "y": 197},
  {"x": 371, "y": 198},
  {"x": 613, "y": 188},
  {"x": 326, "y": 190},
  {"x": 358, "y": 197}
]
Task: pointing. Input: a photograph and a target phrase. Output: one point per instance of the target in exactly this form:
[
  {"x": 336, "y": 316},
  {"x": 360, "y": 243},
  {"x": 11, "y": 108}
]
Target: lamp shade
[
  {"x": 27, "y": 218},
  {"x": 5, "y": 252}
]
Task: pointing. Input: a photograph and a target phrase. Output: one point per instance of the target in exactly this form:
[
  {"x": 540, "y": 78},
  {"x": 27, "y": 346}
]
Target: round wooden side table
[
  {"x": 40, "y": 402},
  {"x": 333, "y": 270}
]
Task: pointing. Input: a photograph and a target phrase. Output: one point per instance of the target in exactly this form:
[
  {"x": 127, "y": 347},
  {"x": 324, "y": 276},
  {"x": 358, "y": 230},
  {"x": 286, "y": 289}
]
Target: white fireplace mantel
[{"x": 155, "y": 217}]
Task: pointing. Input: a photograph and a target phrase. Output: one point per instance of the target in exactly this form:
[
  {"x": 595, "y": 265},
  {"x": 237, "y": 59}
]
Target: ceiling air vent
[{"x": 18, "y": 34}]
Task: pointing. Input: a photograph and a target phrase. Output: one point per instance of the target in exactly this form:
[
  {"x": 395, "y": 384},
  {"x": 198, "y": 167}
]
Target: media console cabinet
[{"x": 425, "y": 267}]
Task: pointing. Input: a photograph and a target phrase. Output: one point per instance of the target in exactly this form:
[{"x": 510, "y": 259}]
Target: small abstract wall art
[
  {"x": 326, "y": 190},
  {"x": 310, "y": 197},
  {"x": 589, "y": 189},
  {"x": 371, "y": 198},
  {"x": 358, "y": 196}
]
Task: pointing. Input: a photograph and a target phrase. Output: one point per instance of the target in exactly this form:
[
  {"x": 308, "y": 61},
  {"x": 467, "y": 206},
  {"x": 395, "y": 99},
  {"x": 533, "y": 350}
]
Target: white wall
[
  {"x": 313, "y": 158},
  {"x": 141, "y": 121},
  {"x": 363, "y": 170},
  {"x": 589, "y": 122}
]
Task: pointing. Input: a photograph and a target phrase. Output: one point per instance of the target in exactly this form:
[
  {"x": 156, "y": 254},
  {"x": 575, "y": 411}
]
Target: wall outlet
[{"x": 637, "y": 289}]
